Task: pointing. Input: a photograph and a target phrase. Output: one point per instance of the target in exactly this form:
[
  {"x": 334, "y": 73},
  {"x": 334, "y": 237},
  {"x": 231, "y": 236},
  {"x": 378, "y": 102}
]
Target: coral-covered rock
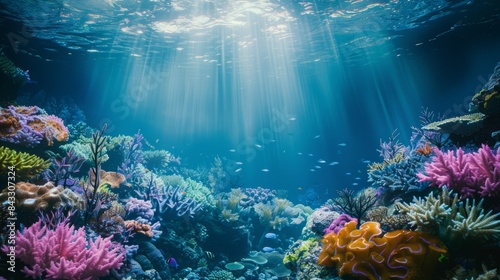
[
  {"x": 28, "y": 126},
  {"x": 363, "y": 253}
]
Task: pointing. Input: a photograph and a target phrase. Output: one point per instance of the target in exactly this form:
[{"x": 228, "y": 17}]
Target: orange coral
[
  {"x": 424, "y": 150},
  {"x": 9, "y": 125},
  {"x": 140, "y": 228},
  {"x": 363, "y": 253}
]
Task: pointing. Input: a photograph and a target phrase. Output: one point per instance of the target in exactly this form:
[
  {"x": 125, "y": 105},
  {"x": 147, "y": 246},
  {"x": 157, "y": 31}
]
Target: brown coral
[
  {"x": 30, "y": 197},
  {"x": 135, "y": 226}
]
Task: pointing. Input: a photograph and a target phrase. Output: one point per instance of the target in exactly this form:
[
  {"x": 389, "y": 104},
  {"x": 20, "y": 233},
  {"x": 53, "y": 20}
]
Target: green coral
[
  {"x": 296, "y": 253},
  {"x": 26, "y": 165},
  {"x": 200, "y": 193},
  {"x": 221, "y": 275}
]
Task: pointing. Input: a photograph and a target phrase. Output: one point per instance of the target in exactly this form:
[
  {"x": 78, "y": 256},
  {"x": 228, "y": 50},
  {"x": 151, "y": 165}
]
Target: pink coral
[
  {"x": 64, "y": 253},
  {"x": 472, "y": 174}
]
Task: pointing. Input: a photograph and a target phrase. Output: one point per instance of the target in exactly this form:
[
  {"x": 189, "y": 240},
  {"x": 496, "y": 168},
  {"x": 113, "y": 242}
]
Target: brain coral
[
  {"x": 363, "y": 253},
  {"x": 31, "y": 197}
]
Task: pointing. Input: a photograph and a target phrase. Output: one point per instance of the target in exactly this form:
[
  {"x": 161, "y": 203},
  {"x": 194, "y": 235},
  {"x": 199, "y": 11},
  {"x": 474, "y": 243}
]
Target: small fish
[
  {"x": 366, "y": 161},
  {"x": 299, "y": 188},
  {"x": 334, "y": 163},
  {"x": 232, "y": 151},
  {"x": 348, "y": 174},
  {"x": 258, "y": 146},
  {"x": 317, "y": 136},
  {"x": 292, "y": 119},
  {"x": 237, "y": 170},
  {"x": 172, "y": 263},
  {"x": 265, "y": 170},
  {"x": 357, "y": 178},
  {"x": 311, "y": 155},
  {"x": 238, "y": 163},
  {"x": 342, "y": 144},
  {"x": 317, "y": 167},
  {"x": 354, "y": 184},
  {"x": 312, "y": 170},
  {"x": 157, "y": 140},
  {"x": 271, "y": 235},
  {"x": 299, "y": 154},
  {"x": 322, "y": 161},
  {"x": 268, "y": 249},
  {"x": 209, "y": 254}
]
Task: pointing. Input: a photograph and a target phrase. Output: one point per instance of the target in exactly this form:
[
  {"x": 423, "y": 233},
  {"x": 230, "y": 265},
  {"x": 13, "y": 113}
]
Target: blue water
[{"x": 286, "y": 84}]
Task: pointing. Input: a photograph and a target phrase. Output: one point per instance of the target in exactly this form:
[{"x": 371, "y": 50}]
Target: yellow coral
[{"x": 24, "y": 164}]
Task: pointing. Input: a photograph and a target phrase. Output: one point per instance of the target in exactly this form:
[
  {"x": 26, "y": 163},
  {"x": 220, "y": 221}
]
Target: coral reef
[
  {"x": 28, "y": 126},
  {"x": 398, "y": 178},
  {"x": 365, "y": 254},
  {"x": 22, "y": 164},
  {"x": 64, "y": 253},
  {"x": 452, "y": 221},
  {"x": 12, "y": 78}
]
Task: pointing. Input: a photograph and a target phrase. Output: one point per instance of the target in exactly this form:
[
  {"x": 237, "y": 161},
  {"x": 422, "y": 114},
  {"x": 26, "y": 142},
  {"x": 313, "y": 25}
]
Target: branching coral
[
  {"x": 64, "y": 253},
  {"x": 470, "y": 174},
  {"x": 24, "y": 165},
  {"x": 364, "y": 254},
  {"x": 453, "y": 221}
]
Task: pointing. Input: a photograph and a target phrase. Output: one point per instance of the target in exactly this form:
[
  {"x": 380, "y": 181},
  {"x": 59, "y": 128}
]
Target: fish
[
  {"x": 357, "y": 178},
  {"x": 317, "y": 166},
  {"x": 322, "y": 161},
  {"x": 238, "y": 163},
  {"x": 265, "y": 170},
  {"x": 348, "y": 174},
  {"x": 354, "y": 184},
  {"x": 312, "y": 169},
  {"x": 232, "y": 151},
  {"x": 311, "y": 155},
  {"x": 209, "y": 254},
  {"x": 317, "y": 136},
  {"x": 299, "y": 154},
  {"x": 237, "y": 170},
  {"x": 299, "y": 188},
  {"x": 271, "y": 235},
  {"x": 268, "y": 249},
  {"x": 342, "y": 144},
  {"x": 366, "y": 161},
  {"x": 258, "y": 146},
  {"x": 334, "y": 163},
  {"x": 172, "y": 263},
  {"x": 292, "y": 119}
]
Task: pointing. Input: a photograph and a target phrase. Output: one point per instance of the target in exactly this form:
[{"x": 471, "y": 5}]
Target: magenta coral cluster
[
  {"x": 470, "y": 174},
  {"x": 339, "y": 223},
  {"x": 64, "y": 253}
]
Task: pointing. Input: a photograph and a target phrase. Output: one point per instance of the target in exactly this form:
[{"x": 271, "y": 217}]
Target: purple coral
[
  {"x": 61, "y": 170},
  {"x": 173, "y": 201},
  {"x": 139, "y": 210},
  {"x": 339, "y": 223},
  {"x": 28, "y": 126},
  {"x": 472, "y": 174},
  {"x": 64, "y": 253}
]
